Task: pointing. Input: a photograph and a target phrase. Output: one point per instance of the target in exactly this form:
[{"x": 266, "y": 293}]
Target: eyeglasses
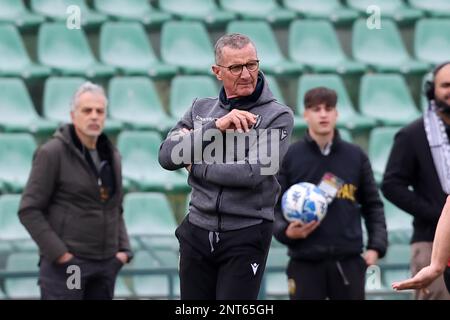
[{"x": 236, "y": 69}]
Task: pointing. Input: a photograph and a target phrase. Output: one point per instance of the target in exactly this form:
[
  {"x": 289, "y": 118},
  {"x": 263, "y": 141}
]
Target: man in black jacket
[
  {"x": 326, "y": 259},
  {"x": 416, "y": 176},
  {"x": 72, "y": 205}
]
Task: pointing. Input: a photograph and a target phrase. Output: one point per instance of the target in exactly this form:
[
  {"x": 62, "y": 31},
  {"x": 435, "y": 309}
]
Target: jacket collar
[{"x": 336, "y": 142}]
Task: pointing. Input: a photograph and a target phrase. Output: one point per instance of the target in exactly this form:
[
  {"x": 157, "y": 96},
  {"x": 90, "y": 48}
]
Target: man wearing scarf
[{"x": 417, "y": 175}]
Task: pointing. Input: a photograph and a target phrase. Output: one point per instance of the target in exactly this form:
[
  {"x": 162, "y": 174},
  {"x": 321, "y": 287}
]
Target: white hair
[{"x": 87, "y": 87}]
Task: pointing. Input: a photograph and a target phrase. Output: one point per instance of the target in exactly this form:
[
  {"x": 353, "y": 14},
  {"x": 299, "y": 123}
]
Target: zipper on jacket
[{"x": 219, "y": 220}]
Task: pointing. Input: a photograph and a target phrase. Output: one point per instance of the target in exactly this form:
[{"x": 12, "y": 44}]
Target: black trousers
[
  {"x": 447, "y": 278},
  {"x": 222, "y": 266},
  {"x": 78, "y": 279},
  {"x": 342, "y": 279}
]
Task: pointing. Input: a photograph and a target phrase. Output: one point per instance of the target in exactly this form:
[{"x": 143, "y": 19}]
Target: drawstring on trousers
[{"x": 211, "y": 239}]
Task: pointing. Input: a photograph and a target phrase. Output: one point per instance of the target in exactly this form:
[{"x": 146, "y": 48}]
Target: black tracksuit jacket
[{"x": 340, "y": 232}]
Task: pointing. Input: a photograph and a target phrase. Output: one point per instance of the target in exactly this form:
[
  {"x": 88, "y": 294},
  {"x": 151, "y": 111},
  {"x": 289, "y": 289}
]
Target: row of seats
[
  {"x": 213, "y": 13},
  {"x": 134, "y": 102},
  {"x": 124, "y": 48}
]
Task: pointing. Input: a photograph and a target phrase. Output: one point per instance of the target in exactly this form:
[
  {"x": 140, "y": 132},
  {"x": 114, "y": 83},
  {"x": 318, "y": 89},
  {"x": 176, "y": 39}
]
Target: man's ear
[{"x": 216, "y": 70}]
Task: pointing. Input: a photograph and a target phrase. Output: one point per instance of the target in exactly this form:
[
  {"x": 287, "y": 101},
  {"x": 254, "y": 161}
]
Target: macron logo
[{"x": 254, "y": 267}]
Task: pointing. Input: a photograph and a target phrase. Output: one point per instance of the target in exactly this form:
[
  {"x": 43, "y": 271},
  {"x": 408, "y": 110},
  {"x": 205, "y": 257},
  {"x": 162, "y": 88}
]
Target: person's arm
[
  {"x": 124, "y": 242},
  {"x": 439, "y": 257},
  {"x": 35, "y": 201},
  {"x": 373, "y": 213},
  {"x": 399, "y": 174},
  {"x": 257, "y": 167}
]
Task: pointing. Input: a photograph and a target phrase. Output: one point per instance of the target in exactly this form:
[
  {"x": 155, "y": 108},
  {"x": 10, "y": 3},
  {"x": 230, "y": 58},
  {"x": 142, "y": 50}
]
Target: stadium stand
[
  {"x": 58, "y": 11},
  {"x": 125, "y": 46},
  {"x": 26, "y": 287},
  {"x": 135, "y": 10},
  {"x": 206, "y": 11},
  {"x": 332, "y": 10},
  {"x": 15, "y": 12},
  {"x": 15, "y": 59},
  {"x": 435, "y": 8},
  {"x": 429, "y": 35},
  {"x": 315, "y": 44}
]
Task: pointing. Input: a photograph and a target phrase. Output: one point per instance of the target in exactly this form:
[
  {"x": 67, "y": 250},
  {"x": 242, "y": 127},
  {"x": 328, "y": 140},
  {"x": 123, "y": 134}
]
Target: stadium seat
[
  {"x": 153, "y": 285},
  {"x": 432, "y": 40},
  {"x": 392, "y": 9},
  {"x": 17, "y": 110},
  {"x": 347, "y": 116},
  {"x": 398, "y": 222},
  {"x": 149, "y": 218},
  {"x": 395, "y": 265},
  {"x": 383, "y": 49},
  {"x": 186, "y": 44},
  {"x": 435, "y": 8},
  {"x": 275, "y": 88},
  {"x": 15, "y": 12},
  {"x": 184, "y": 89},
  {"x": 272, "y": 60},
  {"x": 135, "y": 102},
  {"x": 332, "y": 10},
  {"x": 16, "y": 153},
  {"x": 59, "y": 11},
  {"x": 137, "y": 10},
  {"x": 345, "y": 135},
  {"x": 386, "y": 98},
  {"x": 206, "y": 11},
  {"x": 58, "y": 93},
  {"x": 268, "y": 10},
  {"x": 275, "y": 279},
  {"x": 121, "y": 288},
  {"x": 140, "y": 165},
  {"x": 25, "y": 287},
  {"x": 125, "y": 45},
  {"x": 68, "y": 51},
  {"x": 11, "y": 229},
  {"x": 381, "y": 140},
  {"x": 316, "y": 45},
  {"x": 14, "y": 57}
]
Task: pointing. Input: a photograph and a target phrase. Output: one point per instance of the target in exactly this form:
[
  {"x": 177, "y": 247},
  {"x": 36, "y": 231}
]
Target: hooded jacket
[
  {"x": 64, "y": 206},
  {"x": 231, "y": 195}
]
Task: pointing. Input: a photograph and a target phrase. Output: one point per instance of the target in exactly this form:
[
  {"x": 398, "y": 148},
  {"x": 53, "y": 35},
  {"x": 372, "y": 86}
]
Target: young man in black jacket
[
  {"x": 416, "y": 176},
  {"x": 326, "y": 261}
]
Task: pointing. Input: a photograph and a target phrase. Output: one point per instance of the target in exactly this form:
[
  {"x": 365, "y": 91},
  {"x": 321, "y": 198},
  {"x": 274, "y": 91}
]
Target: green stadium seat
[
  {"x": 15, "y": 12},
  {"x": 332, "y": 10},
  {"x": 206, "y": 11},
  {"x": 268, "y": 10},
  {"x": 135, "y": 102},
  {"x": 316, "y": 45},
  {"x": 58, "y": 93},
  {"x": 149, "y": 217},
  {"x": 432, "y": 40},
  {"x": 276, "y": 282},
  {"x": 269, "y": 52},
  {"x": 345, "y": 135},
  {"x": 398, "y": 222},
  {"x": 140, "y": 164},
  {"x": 347, "y": 116},
  {"x": 17, "y": 109},
  {"x": 386, "y": 98},
  {"x": 435, "y": 8},
  {"x": 16, "y": 154},
  {"x": 383, "y": 49},
  {"x": 392, "y": 9},
  {"x": 275, "y": 88},
  {"x": 121, "y": 289},
  {"x": 186, "y": 44},
  {"x": 154, "y": 285},
  {"x": 125, "y": 45},
  {"x": 184, "y": 89},
  {"x": 11, "y": 229},
  {"x": 68, "y": 52},
  {"x": 136, "y": 10},
  {"x": 395, "y": 265},
  {"x": 58, "y": 11},
  {"x": 15, "y": 60},
  {"x": 26, "y": 287},
  {"x": 381, "y": 140}
]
